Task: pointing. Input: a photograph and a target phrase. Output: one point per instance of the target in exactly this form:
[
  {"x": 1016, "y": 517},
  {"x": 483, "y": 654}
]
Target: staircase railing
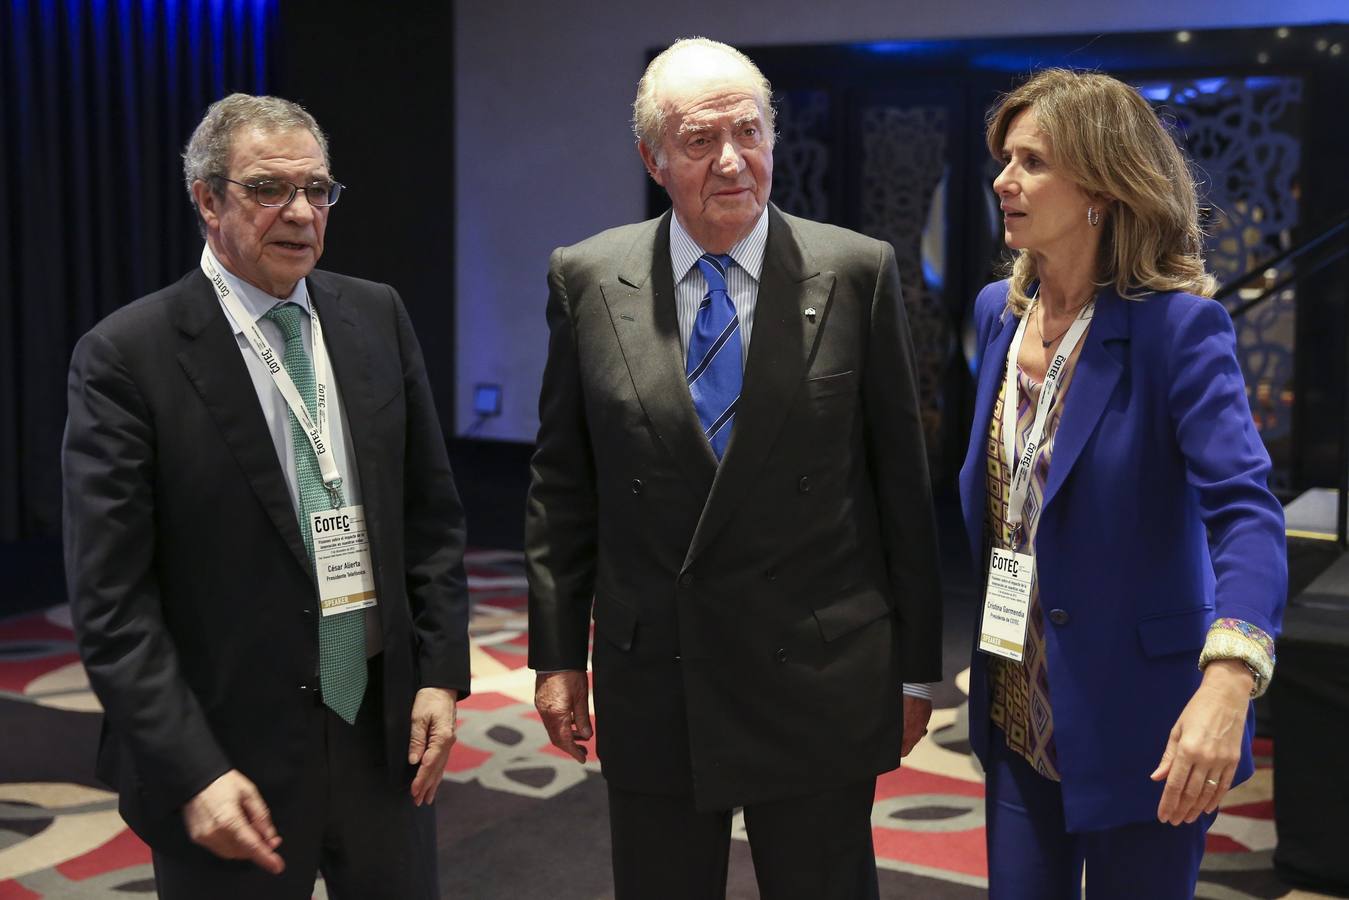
[{"x": 1317, "y": 253}]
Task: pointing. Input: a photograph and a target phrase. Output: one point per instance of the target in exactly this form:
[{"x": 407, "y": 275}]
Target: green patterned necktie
[{"x": 342, "y": 673}]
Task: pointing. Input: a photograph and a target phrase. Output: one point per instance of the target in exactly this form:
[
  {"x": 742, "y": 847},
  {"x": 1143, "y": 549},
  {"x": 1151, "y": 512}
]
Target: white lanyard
[
  {"x": 1021, "y": 468},
  {"x": 316, "y": 426}
]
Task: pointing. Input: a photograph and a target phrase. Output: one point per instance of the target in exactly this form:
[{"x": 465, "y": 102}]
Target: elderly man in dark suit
[
  {"x": 749, "y": 520},
  {"x": 264, "y": 546}
]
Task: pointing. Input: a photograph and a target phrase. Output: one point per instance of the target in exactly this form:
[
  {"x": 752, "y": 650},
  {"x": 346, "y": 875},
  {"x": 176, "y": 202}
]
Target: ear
[
  {"x": 649, "y": 160},
  {"x": 208, "y": 203}
]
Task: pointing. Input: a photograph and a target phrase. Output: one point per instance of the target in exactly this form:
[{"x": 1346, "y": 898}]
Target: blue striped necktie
[
  {"x": 342, "y": 668},
  {"x": 713, "y": 371}
]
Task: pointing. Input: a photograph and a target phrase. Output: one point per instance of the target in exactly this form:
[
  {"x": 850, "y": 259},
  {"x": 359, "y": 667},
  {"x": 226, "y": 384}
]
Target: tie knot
[
  {"x": 714, "y": 268},
  {"x": 287, "y": 318}
]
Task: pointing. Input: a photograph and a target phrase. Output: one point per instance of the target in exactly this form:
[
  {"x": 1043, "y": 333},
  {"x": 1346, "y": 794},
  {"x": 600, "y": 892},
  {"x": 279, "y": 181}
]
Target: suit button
[
  {"x": 771, "y": 574},
  {"x": 676, "y": 659},
  {"x": 803, "y": 485},
  {"x": 1059, "y": 616},
  {"x": 636, "y": 485},
  {"x": 780, "y": 656},
  {"x": 686, "y": 579}
]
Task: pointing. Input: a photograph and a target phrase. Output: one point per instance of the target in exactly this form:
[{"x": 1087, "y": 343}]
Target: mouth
[
  {"x": 292, "y": 246},
  {"x": 1012, "y": 213}
]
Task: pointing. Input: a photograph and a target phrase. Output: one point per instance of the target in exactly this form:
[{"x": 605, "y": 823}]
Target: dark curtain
[{"x": 97, "y": 100}]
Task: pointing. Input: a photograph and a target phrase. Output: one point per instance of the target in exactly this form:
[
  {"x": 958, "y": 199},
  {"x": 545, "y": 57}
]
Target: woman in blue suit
[{"x": 1115, "y": 490}]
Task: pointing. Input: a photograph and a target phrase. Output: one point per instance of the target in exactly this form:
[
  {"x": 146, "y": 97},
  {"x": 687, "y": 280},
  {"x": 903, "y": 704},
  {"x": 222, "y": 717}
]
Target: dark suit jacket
[
  {"x": 1157, "y": 519},
  {"x": 195, "y": 604},
  {"x": 754, "y": 620}
]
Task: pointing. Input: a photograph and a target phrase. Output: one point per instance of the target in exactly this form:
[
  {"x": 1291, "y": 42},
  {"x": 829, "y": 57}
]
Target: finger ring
[{"x": 1210, "y": 781}]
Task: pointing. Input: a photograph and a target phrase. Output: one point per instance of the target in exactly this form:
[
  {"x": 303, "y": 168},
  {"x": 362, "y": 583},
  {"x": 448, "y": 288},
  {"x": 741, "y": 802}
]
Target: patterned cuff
[
  {"x": 1235, "y": 639},
  {"x": 918, "y": 690}
]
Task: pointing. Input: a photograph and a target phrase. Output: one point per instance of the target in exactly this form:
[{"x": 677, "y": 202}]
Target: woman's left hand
[{"x": 1205, "y": 744}]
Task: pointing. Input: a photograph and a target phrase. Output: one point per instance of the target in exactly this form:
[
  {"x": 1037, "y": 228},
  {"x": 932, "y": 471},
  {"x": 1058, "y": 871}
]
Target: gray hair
[
  {"x": 208, "y": 150},
  {"x": 648, "y": 115}
]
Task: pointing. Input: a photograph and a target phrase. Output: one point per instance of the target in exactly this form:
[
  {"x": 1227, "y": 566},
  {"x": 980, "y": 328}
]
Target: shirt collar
[
  {"x": 255, "y": 301},
  {"x": 748, "y": 253}
]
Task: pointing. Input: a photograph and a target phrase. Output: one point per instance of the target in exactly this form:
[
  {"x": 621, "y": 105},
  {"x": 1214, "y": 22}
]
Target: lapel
[
  {"x": 352, "y": 368},
  {"x": 778, "y": 354},
  {"x": 641, "y": 307},
  {"x": 209, "y": 356},
  {"x": 1098, "y": 371},
  {"x": 992, "y": 370}
]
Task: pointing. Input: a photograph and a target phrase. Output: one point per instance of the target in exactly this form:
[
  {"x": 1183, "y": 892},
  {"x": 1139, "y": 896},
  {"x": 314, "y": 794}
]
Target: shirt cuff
[
  {"x": 920, "y": 691},
  {"x": 1236, "y": 639}
]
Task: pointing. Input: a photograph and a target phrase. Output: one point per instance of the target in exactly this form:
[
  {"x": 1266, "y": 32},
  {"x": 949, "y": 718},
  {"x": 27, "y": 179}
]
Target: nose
[
  {"x": 1004, "y": 182},
  {"x": 730, "y": 162},
  {"x": 299, "y": 209}
]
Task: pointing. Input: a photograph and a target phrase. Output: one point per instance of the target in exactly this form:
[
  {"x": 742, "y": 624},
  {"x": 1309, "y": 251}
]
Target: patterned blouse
[{"x": 1020, "y": 703}]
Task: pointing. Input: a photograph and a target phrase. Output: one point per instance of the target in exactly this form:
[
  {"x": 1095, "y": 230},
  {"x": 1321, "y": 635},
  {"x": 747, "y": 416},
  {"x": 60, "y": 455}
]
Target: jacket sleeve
[
  {"x": 561, "y": 513},
  {"x": 108, "y": 469},
  {"x": 1227, "y": 467},
  {"x": 897, "y": 458},
  {"x": 434, "y": 532}
]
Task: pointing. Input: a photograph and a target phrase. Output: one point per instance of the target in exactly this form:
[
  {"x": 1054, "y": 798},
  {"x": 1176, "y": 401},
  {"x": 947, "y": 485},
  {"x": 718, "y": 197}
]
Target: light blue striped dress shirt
[{"x": 742, "y": 281}]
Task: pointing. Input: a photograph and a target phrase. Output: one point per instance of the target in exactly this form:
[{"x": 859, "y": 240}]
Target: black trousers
[
  {"x": 343, "y": 818},
  {"x": 814, "y": 847}
]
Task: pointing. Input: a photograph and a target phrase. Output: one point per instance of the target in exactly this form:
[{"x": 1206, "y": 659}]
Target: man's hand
[
  {"x": 563, "y": 702},
  {"x": 1202, "y": 753},
  {"x": 434, "y": 712},
  {"x": 229, "y": 819},
  {"x": 917, "y": 711}
]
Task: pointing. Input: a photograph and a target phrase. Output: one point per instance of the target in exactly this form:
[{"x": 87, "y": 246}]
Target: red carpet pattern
[{"x": 61, "y": 836}]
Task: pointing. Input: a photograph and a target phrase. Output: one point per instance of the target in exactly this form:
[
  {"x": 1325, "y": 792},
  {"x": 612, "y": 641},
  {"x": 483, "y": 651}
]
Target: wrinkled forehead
[
  {"x": 286, "y": 152},
  {"x": 716, "y": 110}
]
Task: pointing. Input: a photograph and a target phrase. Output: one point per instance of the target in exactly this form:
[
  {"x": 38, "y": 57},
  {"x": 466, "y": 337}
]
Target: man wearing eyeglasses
[{"x": 264, "y": 545}]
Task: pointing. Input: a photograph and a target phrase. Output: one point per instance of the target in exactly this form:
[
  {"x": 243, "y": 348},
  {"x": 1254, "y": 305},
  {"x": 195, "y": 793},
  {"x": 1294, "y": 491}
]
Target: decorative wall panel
[
  {"x": 801, "y": 154},
  {"x": 904, "y": 167},
  {"x": 1244, "y": 135}
]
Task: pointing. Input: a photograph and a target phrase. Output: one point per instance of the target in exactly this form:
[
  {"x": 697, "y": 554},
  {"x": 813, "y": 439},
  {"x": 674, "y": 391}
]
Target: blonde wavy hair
[{"x": 1107, "y": 138}]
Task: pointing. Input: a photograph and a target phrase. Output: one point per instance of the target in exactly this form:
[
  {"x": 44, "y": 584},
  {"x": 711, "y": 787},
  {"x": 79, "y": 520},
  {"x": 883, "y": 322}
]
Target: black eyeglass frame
[{"x": 335, "y": 189}]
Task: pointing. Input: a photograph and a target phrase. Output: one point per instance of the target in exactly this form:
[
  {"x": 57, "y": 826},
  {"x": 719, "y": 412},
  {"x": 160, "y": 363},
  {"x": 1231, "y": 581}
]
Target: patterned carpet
[{"x": 517, "y": 819}]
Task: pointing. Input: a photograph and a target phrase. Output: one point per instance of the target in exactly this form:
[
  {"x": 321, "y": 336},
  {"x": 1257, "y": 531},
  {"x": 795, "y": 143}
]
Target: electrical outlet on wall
[{"x": 486, "y": 400}]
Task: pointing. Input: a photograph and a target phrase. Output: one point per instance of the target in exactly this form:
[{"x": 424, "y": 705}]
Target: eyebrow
[
  {"x": 1038, "y": 149},
  {"x": 687, "y": 128}
]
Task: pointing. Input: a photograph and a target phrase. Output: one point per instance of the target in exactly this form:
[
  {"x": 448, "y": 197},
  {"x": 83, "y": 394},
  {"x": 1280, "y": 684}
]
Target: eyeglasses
[{"x": 275, "y": 192}]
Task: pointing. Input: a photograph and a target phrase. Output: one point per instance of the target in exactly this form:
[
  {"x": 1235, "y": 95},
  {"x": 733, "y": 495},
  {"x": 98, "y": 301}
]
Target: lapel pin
[{"x": 810, "y": 313}]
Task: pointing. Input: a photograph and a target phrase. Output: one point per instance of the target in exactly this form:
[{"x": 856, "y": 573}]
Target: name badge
[
  {"x": 1002, "y": 631},
  {"x": 342, "y": 560}
]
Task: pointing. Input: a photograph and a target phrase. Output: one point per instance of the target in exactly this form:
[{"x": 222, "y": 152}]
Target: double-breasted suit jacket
[
  {"x": 195, "y": 601},
  {"x": 754, "y": 620}
]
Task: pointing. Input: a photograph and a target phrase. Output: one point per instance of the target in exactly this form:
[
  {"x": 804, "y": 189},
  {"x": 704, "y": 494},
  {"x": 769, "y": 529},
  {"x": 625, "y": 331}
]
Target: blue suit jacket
[{"x": 1157, "y": 519}]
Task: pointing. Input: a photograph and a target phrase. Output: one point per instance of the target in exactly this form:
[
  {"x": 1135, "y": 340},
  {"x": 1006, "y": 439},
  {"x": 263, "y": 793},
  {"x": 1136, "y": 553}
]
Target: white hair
[{"x": 648, "y": 114}]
